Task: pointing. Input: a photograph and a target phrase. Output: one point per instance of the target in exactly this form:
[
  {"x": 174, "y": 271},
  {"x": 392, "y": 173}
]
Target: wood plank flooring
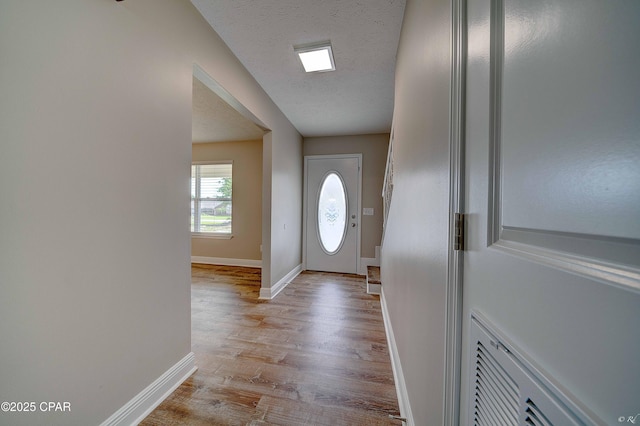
[{"x": 315, "y": 355}]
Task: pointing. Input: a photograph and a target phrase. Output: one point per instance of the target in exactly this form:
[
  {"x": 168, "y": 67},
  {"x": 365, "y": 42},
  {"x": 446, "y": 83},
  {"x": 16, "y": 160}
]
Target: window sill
[{"x": 211, "y": 235}]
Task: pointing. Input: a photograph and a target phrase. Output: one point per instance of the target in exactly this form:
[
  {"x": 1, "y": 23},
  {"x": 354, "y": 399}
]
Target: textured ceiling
[
  {"x": 357, "y": 98},
  {"x": 214, "y": 120}
]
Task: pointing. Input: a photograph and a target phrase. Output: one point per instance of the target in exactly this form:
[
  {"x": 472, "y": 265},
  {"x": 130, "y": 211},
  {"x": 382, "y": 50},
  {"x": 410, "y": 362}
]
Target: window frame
[{"x": 196, "y": 200}]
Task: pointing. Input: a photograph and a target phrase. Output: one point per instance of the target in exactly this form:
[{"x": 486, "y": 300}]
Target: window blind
[{"x": 211, "y": 198}]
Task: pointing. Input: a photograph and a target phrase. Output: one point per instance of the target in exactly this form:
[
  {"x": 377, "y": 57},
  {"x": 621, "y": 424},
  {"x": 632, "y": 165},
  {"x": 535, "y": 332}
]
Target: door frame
[
  {"x": 358, "y": 201},
  {"x": 454, "y": 285}
]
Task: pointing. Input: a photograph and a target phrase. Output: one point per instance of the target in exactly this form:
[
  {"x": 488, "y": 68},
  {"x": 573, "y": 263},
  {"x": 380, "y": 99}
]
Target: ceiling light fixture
[{"x": 316, "y": 57}]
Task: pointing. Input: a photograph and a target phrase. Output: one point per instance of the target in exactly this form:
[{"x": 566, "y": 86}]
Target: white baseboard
[
  {"x": 134, "y": 411},
  {"x": 398, "y": 376},
  {"x": 270, "y": 293},
  {"x": 226, "y": 261}
]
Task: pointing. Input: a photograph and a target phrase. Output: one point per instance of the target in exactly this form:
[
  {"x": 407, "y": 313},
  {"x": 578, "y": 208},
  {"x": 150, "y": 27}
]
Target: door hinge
[{"x": 459, "y": 234}]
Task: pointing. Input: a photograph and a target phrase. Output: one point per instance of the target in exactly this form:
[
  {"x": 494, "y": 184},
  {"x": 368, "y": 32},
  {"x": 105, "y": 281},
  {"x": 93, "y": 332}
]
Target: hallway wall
[
  {"x": 95, "y": 154},
  {"x": 415, "y": 246}
]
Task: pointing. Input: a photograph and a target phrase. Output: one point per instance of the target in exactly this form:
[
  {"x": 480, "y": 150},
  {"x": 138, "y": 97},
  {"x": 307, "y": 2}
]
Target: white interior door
[
  {"x": 332, "y": 207},
  {"x": 552, "y": 181}
]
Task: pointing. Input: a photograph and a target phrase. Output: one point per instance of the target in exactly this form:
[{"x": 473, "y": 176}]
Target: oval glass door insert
[{"x": 332, "y": 213}]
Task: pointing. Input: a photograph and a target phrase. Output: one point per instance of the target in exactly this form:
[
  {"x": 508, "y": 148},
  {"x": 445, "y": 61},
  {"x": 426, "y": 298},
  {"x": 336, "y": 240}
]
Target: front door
[
  {"x": 332, "y": 205},
  {"x": 553, "y": 193}
]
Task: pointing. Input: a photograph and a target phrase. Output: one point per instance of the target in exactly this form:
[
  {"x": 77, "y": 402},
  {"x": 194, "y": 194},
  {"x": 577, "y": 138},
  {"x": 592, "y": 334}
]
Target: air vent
[
  {"x": 496, "y": 394},
  {"x": 506, "y": 391},
  {"x": 534, "y": 416}
]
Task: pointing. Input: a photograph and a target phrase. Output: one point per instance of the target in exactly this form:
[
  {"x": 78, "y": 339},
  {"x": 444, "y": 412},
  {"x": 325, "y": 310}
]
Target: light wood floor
[{"x": 314, "y": 355}]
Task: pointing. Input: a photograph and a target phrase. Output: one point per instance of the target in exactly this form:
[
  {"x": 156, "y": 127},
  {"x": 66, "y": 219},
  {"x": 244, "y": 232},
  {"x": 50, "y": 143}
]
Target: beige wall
[
  {"x": 247, "y": 200},
  {"x": 282, "y": 158},
  {"x": 415, "y": 248},
  {"x": 95, "y": 128},
  {"x": 374, "y": 156}
]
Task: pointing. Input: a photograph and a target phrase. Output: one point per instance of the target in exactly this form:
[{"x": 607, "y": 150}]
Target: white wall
[
  {"x": 95, "y": 143},
  {"x": 414, "y": 252}
]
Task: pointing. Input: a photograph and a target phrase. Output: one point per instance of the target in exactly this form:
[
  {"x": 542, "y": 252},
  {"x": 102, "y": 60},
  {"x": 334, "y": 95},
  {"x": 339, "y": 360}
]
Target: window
[
  {"x": 211, "y": 201},
  {"x": 332, "y": 213}
]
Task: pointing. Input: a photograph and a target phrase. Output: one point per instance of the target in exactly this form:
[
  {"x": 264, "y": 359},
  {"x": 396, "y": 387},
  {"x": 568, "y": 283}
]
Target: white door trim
[
  {"x": 454, "y": 286},
  {"x": 358, "y": 198}
]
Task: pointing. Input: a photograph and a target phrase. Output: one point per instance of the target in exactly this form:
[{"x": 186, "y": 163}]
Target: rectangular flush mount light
[{"x": 316, "y": 57}]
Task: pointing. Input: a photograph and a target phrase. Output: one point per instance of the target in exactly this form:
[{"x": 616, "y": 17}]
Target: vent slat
[
  {"x": 497, "y": 403},
  {"x": 486, "y": 406},
  {"x": 482, "y": 418},
  {"x": 510, "y": 385},
  {"x": 496, "y": 394},
  {"x": 535, "y": 415},
  {"x": 497, "y": 379},
  {"x": 532, "y": 418},
  {"x": 507, "y": 383}
]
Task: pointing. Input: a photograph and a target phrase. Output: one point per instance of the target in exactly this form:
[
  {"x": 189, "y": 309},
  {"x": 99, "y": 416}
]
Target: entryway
[{"x": 332, "y": 212}]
